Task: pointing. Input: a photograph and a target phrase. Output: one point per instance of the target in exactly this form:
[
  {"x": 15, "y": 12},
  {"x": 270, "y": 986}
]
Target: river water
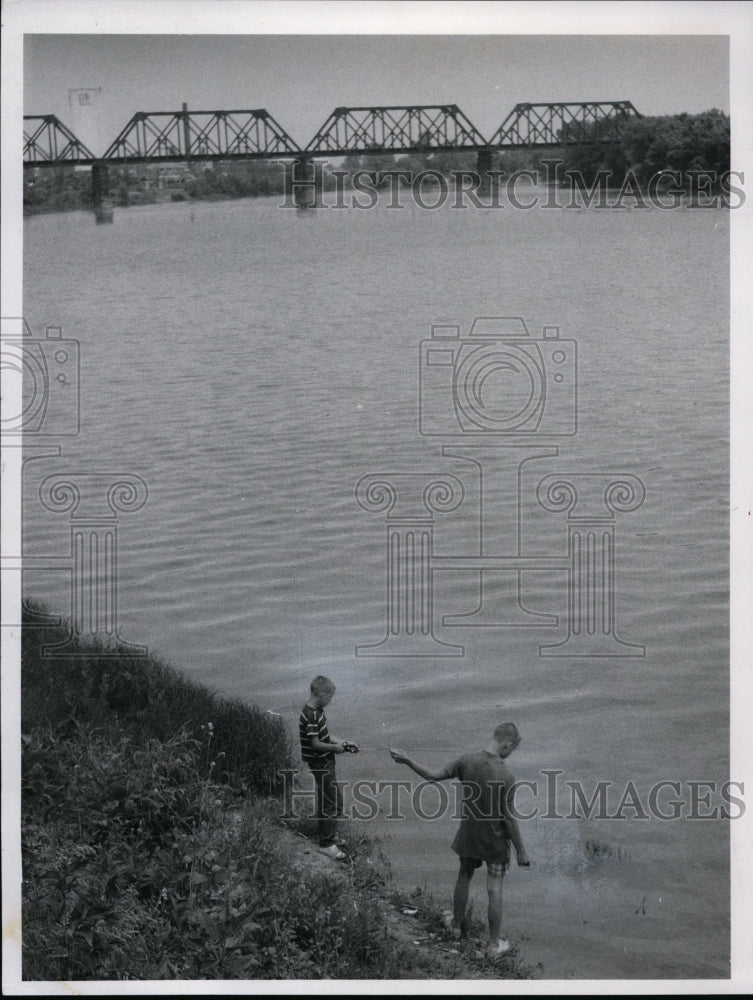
[{"x": 252, "y": 364}]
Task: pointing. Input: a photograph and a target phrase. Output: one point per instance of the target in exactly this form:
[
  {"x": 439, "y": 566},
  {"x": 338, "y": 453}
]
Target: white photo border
[{"x": 156, "y": 17}]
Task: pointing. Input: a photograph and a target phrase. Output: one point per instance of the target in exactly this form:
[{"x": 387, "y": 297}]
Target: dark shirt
[
  {"x": 313, "y": 722},
  {"x": 482, "y": 833}
]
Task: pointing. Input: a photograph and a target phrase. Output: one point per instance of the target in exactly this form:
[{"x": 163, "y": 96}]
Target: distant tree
[
  {"x": 650, "y": 145},
  {"x": 678, "y": 142}
]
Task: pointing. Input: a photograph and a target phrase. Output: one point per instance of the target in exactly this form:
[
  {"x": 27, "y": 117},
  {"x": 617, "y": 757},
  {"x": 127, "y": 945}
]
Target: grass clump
[{"x": 146, "y": 698}]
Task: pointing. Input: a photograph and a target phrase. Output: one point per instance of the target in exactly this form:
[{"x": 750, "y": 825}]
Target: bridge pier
[
  {"x": 103, "y": 209},
  {"x": 489, "y": 178},
  {"x": 306, "y": 183}
]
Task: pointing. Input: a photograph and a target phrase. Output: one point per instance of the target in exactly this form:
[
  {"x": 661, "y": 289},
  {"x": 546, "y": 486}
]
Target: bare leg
[
  {"x": 460, "y": 898},
  {"x": 494, "y": 888}
]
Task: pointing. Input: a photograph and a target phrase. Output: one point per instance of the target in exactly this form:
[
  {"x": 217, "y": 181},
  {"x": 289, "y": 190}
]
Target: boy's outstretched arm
[{"x": 425, "y": 772}]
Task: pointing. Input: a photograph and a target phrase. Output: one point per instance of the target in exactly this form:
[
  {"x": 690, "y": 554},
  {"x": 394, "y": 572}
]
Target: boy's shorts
[{"x": 493, "y": 868}]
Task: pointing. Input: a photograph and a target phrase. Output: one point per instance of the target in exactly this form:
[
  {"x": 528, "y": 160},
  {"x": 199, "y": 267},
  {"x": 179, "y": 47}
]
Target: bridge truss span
[
  {"x": 48, "y": 141},
  {"x": 407, "y": 129},
  {"x": 200, "y": 135},
  {"x": 530, "y": 125}
]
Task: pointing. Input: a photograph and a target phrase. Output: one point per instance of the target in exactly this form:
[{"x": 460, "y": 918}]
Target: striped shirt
[{"x": 313, "y": 722}]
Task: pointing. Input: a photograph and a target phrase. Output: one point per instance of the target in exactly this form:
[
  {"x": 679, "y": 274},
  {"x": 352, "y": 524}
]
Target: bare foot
[
  {"x": 450, "y": 926},
  {"x": 496, "y": 949}
]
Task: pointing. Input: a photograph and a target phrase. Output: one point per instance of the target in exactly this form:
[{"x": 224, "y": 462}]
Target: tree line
[{"x": 649, "y": 146}]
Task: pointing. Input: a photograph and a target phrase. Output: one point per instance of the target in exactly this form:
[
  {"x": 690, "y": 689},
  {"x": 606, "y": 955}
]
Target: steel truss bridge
[
  {"x": 186, "y": 136},
  {"x": 170, "y": 136}
]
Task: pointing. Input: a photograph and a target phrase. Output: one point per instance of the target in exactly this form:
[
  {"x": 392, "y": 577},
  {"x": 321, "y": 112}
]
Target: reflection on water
[{"x": 253, "y": 364}]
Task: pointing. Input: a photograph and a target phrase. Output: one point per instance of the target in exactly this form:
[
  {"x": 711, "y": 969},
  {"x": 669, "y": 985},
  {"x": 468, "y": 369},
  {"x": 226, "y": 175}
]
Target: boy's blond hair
[{"x": 322, "y": 685}]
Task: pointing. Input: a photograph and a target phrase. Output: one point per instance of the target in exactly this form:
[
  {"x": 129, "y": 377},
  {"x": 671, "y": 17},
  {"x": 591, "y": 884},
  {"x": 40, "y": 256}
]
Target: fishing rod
[
  {"x": 358, "y": 747},
  {"x": 352, "y": 747},
  {"x": 417, "y": 749}
]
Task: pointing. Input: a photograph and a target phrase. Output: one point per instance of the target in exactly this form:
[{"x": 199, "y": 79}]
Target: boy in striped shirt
[{"x": 318, "y": 750}]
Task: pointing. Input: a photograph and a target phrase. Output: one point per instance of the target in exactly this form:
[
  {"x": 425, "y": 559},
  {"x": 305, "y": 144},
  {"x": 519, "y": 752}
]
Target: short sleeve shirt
[
  {"x": 313, "y": 722},
  {"x": 485, "y": 779}
]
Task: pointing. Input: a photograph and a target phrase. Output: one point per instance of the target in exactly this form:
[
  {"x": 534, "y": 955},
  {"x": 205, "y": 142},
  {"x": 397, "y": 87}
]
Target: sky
[{"x": 300, "y": 79}]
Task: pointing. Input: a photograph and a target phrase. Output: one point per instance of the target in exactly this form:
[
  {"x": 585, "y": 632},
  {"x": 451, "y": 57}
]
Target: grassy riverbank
[{"x": 153, "y": 848}]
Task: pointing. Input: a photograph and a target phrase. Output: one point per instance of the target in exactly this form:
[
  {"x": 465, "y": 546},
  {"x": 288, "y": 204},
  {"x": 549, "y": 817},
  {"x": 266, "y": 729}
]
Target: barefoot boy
[
  {"x": 486, "y": 826},
  {"x": 318, "y": 750}
]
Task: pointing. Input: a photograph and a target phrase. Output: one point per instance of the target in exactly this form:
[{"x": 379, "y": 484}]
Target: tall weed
[{"x": 148, "y": 699}]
